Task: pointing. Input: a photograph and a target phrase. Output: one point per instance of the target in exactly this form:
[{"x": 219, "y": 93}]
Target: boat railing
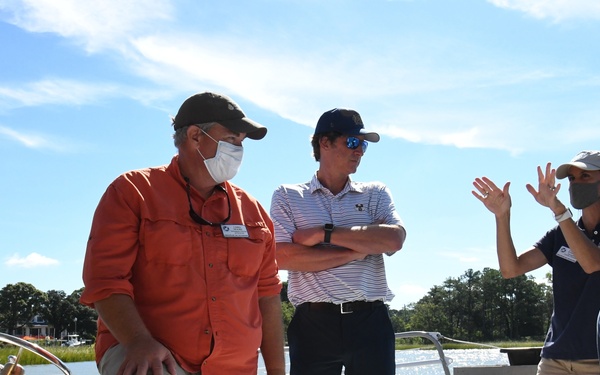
[
  {"x": 435, "y": 338},
  {"x": 34, "y": 348}
]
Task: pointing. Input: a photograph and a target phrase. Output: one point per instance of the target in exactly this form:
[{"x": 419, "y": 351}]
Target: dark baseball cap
[
  {"x": 211, "y": 107},
  {"x": 345, "y": 121}
]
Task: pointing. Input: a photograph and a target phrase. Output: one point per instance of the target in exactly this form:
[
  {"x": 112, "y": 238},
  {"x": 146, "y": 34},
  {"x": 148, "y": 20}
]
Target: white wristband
[{"x": 564, "y": 216}]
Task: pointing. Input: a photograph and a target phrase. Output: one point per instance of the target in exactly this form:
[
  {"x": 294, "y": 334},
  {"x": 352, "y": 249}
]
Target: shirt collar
[
  {"x": 175, "y": 172},
  {"x": 315, "y": 185},
  {"x": 595, "y": 234}
]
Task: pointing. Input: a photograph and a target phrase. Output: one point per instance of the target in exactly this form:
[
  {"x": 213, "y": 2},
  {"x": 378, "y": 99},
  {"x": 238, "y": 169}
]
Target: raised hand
[
  {"x": 547, "y": 190},
  {"x": 494, "y": 199}
]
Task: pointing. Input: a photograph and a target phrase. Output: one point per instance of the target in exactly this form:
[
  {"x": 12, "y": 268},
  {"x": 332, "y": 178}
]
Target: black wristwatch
[{"x": 328, "y": 228}]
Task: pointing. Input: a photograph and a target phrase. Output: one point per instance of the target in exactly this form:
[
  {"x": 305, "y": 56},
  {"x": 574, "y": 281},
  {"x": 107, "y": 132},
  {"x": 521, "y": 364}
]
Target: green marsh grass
[
  {"x": 82, "y": 353},
  {"x": 403, "y": 344}
]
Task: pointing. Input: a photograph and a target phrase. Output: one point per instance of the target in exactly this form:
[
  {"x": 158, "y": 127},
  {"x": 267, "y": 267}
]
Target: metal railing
[
  {"x": 434, "y": 337},
  {"x": 36, "y": 349}
]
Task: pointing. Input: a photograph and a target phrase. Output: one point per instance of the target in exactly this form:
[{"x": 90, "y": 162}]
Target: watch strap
[
  {"x": 564, "y": 216},
  {"x": 327, "y": 228}
]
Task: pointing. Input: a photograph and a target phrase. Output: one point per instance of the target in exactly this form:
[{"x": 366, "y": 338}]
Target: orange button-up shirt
[{"x": 196, "y": 290}]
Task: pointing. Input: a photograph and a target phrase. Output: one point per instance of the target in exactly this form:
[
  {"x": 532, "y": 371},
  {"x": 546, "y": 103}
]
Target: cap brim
[
  {"x": 370, "y": 136},
  {"x": 253, "y": 129},
  {"x": 563, "y": 170}
]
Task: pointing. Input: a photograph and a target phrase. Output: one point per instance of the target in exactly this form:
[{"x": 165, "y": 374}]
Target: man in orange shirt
[{"x": 180, "y": 263}]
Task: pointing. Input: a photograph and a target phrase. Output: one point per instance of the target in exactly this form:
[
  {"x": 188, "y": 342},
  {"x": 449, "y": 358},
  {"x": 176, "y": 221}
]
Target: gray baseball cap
[{"x": 586, "y": 160}]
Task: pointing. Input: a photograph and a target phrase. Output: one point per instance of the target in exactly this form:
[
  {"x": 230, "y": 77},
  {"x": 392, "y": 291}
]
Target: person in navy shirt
[{"x": 570, "y": 248}]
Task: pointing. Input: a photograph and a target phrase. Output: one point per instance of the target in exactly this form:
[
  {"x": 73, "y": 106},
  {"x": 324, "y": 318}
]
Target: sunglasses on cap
[{"x": 353, "y": 143}]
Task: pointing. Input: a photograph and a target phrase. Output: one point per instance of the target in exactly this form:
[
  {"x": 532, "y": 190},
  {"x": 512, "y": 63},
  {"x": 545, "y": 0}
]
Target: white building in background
[{"x": 37, "y": 328}]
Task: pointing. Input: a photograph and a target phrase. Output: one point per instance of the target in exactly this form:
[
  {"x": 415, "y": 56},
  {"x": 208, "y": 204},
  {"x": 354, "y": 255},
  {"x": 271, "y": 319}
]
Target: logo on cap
[{"x": 357, "y": 119}]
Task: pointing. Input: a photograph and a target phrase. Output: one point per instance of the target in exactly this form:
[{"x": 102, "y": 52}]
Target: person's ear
[
  {"x": 194, "y": 133},
  {"x": 325, "y": 143}
]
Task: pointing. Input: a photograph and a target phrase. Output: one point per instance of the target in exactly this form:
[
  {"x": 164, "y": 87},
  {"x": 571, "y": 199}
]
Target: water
[{"x": 460, "y": 358}]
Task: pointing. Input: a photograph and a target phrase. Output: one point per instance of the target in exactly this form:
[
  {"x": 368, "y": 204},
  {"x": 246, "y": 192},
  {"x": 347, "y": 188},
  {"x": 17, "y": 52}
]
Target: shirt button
[
  {"x": 214, "y": 298},
  {"x": 210, "y": 265},
  {"x": 207, "y": 331},
  {"x": 207, "y": 234}
]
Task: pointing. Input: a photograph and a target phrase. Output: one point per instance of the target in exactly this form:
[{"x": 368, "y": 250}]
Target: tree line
[
  {"x": 476, "y": 306},
  {"x": 21, "y": 302},
  {"x": 481, "y": 306}
]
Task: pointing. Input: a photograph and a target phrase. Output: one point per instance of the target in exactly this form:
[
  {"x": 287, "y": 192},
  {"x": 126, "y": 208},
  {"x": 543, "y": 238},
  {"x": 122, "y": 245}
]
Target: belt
[{"x": 343, "y": 308}]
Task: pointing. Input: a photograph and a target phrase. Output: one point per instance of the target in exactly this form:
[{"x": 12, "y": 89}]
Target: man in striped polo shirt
[{"x": 331, "y": 234}]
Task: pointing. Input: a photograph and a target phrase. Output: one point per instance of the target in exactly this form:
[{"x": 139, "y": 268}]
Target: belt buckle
[{"x": 342, "y": 311}]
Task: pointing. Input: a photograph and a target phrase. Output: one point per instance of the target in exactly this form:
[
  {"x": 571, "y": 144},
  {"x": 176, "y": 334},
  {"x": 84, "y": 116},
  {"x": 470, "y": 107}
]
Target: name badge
[
  {"x": 566, "y": 253},
  {"x": 234, "y": 231}
]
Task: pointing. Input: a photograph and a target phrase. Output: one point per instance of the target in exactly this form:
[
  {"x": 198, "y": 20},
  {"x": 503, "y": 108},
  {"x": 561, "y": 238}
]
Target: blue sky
[{"x": 457, "y": 89}]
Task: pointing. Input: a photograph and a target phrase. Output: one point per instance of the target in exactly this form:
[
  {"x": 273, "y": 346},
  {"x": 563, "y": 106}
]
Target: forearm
[
  {"x": 370, "y": 239},
  {"x": 295, "y": 257},
  {"x": 142, "y": 351},
  {"x": 505, "y": 248},
  {"x": 272, "y": 335},
  {"x": 121, "y": 317},
  {"x": 512, "y": 265}
]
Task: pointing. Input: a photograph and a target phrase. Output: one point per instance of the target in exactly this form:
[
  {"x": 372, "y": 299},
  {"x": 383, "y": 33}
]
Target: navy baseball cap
[{"x": 345, "y": 121}]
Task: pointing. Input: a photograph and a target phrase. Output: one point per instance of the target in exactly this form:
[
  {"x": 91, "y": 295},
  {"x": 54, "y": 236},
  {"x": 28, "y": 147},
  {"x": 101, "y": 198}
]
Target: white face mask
[{"x": 226, "y": 162}]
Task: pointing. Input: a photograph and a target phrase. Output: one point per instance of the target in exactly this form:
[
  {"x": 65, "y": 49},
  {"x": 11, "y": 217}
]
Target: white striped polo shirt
[{"x": 297, "y": 206}]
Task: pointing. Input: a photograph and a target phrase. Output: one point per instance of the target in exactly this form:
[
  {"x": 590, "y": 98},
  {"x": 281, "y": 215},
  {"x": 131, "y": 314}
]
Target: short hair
[
  {"x": 316, "y": 140},
  {"x": 180, "y": 134}
]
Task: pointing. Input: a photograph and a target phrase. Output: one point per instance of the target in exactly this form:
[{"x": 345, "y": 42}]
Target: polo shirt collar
[
  {"x": 315, "y": 185},
  {"x": 595, "y": 236}
]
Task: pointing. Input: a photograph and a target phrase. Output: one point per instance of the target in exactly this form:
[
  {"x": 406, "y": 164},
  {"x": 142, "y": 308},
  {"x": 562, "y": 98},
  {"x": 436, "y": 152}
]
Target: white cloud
[
  {"x": 299, "y": 87},
  {"x": 298, "y": 84},
  {"x": 556, "y": 10},
  {"x": 29, "y": 140},
  {"x": 476, "y": 128},
  {"x": 54, "y": 91},
  {"x": 94, "y": 24},
  {"x": 36, "y": 140},
  {"x": 50, "y": 92},
  {"x": 32, "y": 260}
]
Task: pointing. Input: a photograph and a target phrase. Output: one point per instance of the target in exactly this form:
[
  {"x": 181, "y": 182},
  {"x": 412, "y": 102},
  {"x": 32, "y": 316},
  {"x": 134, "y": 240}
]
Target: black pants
[{"x": 321, "y": 342}]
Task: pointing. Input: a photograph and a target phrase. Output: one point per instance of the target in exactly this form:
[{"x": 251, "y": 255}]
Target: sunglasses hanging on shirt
[{"x": 199, "y": 219}]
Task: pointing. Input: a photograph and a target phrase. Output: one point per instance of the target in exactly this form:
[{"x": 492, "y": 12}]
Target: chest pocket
[
  {"x": 245, "y": 255},
  {"x": 166, "y": 242}
]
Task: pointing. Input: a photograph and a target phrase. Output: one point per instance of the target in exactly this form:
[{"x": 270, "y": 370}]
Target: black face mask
[{"x": 583, "y": 195}]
